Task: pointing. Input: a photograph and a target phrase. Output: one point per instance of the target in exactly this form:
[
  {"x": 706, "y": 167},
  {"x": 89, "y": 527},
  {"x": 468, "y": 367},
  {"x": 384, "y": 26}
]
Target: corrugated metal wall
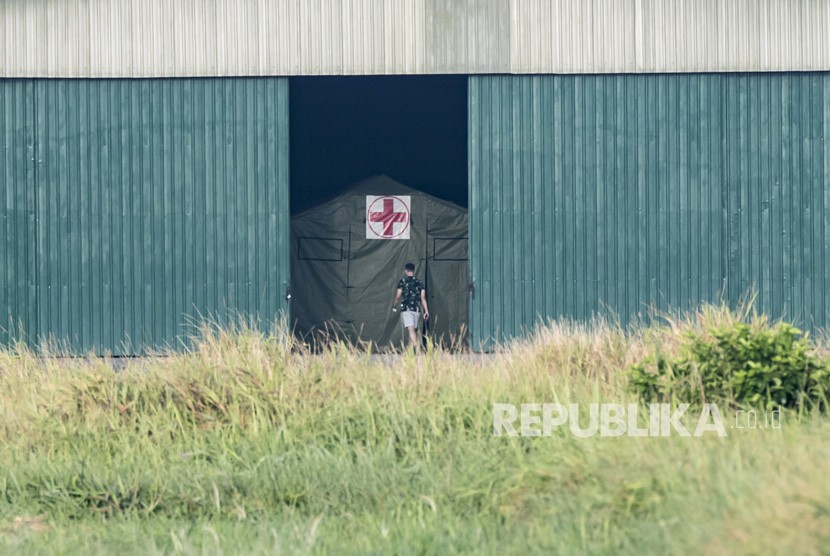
[
  {"x": 667, "y": 36},
  {"x": 776, "y": 184},
  {"x": 157, "y": 201},
  {"x": 154, "y": 38},
  {"x": 17, "y": 244},
  {"x": 592, "y": 194}
]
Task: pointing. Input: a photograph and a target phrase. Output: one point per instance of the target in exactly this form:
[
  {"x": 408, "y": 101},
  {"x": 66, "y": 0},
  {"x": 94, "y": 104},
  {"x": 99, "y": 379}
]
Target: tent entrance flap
[{"x": 348, "y": 255}]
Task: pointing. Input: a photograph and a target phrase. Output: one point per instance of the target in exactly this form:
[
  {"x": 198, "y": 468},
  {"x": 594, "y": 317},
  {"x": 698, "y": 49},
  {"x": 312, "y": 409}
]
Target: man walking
[{"x": 414, "y": 295}]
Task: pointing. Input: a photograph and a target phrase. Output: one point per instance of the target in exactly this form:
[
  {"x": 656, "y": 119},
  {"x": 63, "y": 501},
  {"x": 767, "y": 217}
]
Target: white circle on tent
[{"x": 387, "y": 217}]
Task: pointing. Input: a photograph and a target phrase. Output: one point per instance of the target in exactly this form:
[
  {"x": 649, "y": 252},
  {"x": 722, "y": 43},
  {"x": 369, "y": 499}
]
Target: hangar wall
[
  {"x": 135, "y": 206},
  {"x": 592, "y": 194},
  {"x": 17, "y": 195},
  {"x": 176, "y": 38}
]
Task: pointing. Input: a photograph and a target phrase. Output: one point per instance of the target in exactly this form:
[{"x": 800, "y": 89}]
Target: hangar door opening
[{"x": 399, "y": 142}]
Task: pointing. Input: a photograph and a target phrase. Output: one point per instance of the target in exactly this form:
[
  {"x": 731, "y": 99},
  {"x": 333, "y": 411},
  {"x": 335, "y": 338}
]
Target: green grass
[{"x": 245, "y": 444}]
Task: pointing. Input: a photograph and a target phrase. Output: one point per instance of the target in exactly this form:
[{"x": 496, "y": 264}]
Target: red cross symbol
[{"x": 388, "y": 217}]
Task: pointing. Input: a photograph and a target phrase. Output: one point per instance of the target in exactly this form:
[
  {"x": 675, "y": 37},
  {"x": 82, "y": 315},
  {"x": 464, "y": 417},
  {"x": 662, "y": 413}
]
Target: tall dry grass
[{"x": 248, "y": 442}]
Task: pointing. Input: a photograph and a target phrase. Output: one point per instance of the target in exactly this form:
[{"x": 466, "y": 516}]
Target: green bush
[{"x": 740, "y": 364}]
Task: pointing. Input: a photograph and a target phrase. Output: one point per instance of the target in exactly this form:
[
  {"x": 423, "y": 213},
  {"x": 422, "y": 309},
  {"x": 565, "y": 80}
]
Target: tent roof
[{"x": 380, "y": 185}]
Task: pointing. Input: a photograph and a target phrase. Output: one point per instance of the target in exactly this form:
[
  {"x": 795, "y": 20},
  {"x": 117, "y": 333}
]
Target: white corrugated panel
[
  {"x": 573, "y": 36},
  {"x": 150, "y": 38},
  {"x": 153, "y": 38},
  {"x": 648, "y": 36}
]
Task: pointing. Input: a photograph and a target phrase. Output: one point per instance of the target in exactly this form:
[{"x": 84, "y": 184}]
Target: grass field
[{"x": 245, "y": 445}]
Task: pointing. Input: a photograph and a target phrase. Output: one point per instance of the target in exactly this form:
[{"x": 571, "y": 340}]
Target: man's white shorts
[{"x": 410, "y": 318}]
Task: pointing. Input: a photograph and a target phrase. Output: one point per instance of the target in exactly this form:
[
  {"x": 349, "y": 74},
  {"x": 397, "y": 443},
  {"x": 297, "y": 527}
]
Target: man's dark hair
[{"x": 409, "y": 267}]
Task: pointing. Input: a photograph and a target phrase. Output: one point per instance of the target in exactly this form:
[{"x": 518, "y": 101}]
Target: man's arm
[
  {"x": 398, "y": 295},
  {"x": 424, "y": 303}
]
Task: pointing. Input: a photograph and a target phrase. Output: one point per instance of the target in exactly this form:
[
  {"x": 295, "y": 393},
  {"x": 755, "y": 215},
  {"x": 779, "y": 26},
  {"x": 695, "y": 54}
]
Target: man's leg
[
  {"x": 410, "y": 322},
  {"x": 413, "y": 338}
]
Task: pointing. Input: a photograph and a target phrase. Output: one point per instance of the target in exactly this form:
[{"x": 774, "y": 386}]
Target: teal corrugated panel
[
  {"x": 160, "y": 203},
  {"x": 620, "y": 193},
  {"x": 776, "y": 143},
  {"x": 18, "y": 317}
]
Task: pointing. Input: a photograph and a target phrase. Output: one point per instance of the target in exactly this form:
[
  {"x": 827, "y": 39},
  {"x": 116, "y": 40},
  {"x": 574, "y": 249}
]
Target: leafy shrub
[{"x": 739, "y": 364}]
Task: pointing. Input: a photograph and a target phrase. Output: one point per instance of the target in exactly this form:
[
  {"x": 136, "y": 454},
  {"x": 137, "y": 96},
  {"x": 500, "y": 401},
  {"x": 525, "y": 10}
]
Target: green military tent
[{"x": 344, "y": 272}]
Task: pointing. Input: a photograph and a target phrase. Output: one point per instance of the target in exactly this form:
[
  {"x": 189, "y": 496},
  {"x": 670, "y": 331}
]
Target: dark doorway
[
  {"x": 387, "y": 133},
  {"x": 345, "y": 129}
]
